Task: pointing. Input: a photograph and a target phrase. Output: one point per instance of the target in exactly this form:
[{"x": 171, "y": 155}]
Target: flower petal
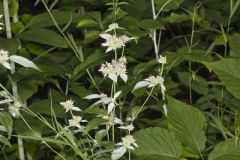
[
  {"x": 91, "y": 96},
  {"x": 124, "y": 77},
  {"x": 118, "y": 153},
  {"x": 76, "y": 109},
  {"x": 117, "y": 94},
  {"x": 6, "y": 65},
  {"x": 110, "y": 107},
  {"x": 23, "y": 61},
  {"x": 141, "y": 84},
  {"x": 113, "y": 77}
]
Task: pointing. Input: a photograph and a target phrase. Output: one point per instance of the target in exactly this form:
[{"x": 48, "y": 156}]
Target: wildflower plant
[{"x": 117, "y": 80}]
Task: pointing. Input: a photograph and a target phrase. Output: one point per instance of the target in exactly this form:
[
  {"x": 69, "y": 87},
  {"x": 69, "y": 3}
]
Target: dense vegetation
[{"x": 120, "y": 79}]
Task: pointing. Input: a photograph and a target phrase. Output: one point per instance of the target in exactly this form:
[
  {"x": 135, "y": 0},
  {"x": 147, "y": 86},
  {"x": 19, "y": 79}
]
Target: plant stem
[
  {"x": 149, "y": 95},
  {"x": 14, "y": 84}
]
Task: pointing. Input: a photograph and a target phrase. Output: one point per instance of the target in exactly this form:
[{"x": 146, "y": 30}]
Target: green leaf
[
  {"x": 169, "y": 4},
  {"x": 5, "y": 141},
  {"x": 234, "y": 42},
  {"x": 87, "y": 23},
  {"x": 11, "y": 45},
  {"x": 61, "y": 17},
  {"x": 94, "y": 123},
  {"x": 44, "y": 36},
  {"x": 177, "y": 18},
  {"x": 7, "y": 122},
  {"x": 92, "y": 60},
  {"x": 198, "y": 84},
  {"x": 227, "y": 150},
  {"x": 188, "y": 124},
  {"x": 228, "y": 72},
  {"x": 151, "y": 24},
  {"x": 158, "y": 143},
  {"x": 91, "y": 36}
]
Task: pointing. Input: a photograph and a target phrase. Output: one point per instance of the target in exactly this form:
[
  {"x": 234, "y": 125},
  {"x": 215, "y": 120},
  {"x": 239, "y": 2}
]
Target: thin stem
[
  {"x": 129, "y": 154},
  {"x": 149, "y": 95},
  {"x": 14, "y": 84},
  {"x": 54, "y": 150}
]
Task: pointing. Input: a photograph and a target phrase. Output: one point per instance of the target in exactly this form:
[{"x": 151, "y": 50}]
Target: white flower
[
  {"x": 103, "y": 98},
  {"x": 129, "y": 127},
  {"x": 75, "y": 121},
  {"x": 69, "y": 106},
  {"x": 4, "y": 58},
  {"x": 126, "y": 39},
  {"x": 111, "y": 120},
  {"x": 114, "y": 69},
  {"x": 154, "y": 81},
  {"x": 111, "y": 102},
  {"x": 112, "y": 42},
  {"x": 14, "y": 109},
  {"x": 106, "y": 69},
  {"x": 127, "y": 143},
  {"x": 151, "y": 81},
  {"x": 162, "y": 60},
  {"x": 113, "y": 26}
]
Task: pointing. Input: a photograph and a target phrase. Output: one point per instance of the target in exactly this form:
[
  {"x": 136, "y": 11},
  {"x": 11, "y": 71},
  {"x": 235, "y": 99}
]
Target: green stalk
[
  {"x": 14, "y": 84},
  {"x": 149, "y": 95}
]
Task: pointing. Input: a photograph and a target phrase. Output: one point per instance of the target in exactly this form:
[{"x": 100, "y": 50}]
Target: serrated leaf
[
  {"x": 188, "y": 124},
  {"x": 157, "y": 142},
  {"x": 228, "y": 72},
  {"x": 227, "y": 150}
]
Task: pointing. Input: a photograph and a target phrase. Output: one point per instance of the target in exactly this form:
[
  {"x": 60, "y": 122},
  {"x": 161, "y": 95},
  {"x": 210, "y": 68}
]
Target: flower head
[
  {"x": 126, "y": 39},
  {"x": 112, "y": 42},
  {"x": 129, "y": 127},
  {"x": 128, "y": 141},
  {"x": 75, "y": 121},
  {"x": 154, "y": 81},
  {"x": 14, "y": 109},
  {"x": 115, "y": 69},
  {"x": 4, "y": 58},
  {"x": 69, "y": 106},
  {"x": 162, "y": 60},
  {"x": 113, "y": 26}
]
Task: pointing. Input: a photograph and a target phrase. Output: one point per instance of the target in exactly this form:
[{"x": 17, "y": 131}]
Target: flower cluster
[
  {"x": 75, "y": 120},
  {"x": 7, "y": 99},
  {"x": 151, "y": 81},
  {"x": 69, "y": 106},
  {"x": 162, "y": 60},
  {"x": 115, "y": 69},
  {"x": 114, "y": 42},
  {"x": 111, "y": 102},
  {"x": 128, "y": 143},
  {"x": 4, "y": 59},
  {"x": 14, "y": 109}
]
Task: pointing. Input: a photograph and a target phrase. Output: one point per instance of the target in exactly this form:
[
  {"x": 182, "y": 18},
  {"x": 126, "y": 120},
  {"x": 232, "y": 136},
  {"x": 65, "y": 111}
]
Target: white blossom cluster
[
  {"x": 115, "y": 69},
  {"x": 103, "y": 99},
  {"x": 14, "y": 109},
  {"x": 128, "y": 143},
  {"x": 4, "y": 59},
  {"x": 112, "y": 41},
  {"x": 75, "y": 121}
]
